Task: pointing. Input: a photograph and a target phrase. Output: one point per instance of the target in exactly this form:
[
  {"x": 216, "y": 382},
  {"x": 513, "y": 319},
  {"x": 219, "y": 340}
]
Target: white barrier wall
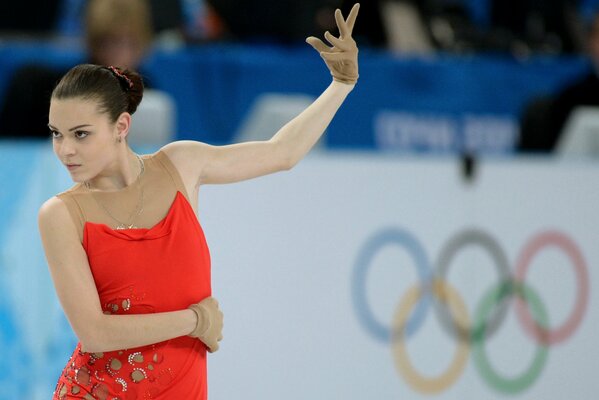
[{"x": 343, "y": 279}]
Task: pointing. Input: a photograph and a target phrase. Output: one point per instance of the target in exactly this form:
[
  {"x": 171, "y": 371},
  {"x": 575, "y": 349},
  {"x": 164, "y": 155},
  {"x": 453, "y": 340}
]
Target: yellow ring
[{"x": 403, "y": 364}]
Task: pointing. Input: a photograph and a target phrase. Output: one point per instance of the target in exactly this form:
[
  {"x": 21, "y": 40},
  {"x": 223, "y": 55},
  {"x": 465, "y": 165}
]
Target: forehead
[{"x": 69, "y": 112}]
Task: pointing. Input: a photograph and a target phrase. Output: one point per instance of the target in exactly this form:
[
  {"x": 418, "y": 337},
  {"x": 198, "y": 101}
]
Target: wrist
[
  {"x": 191, "y": 318},
  {"x": 347, "y": 86},
  {"x": 202, "y": 322}
]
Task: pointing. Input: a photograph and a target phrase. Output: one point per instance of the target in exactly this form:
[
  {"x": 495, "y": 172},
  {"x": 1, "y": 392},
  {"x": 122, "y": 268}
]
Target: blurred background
[{"x": 472, "y": 132}]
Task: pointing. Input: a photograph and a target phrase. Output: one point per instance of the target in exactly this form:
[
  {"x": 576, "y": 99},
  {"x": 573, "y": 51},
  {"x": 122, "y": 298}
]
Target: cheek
[{"x": 56, "y": 147}]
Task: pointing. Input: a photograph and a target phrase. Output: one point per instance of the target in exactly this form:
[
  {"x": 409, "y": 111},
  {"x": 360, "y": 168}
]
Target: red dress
[{"x": 138, "y": 271}]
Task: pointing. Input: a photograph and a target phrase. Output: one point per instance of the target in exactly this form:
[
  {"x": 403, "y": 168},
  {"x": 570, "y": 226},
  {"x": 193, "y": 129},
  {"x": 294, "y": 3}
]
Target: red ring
[{"x": 548, "y": 336}]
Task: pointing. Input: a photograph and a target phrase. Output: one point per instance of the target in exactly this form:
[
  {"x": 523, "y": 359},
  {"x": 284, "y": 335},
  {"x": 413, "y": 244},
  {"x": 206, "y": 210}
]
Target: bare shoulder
[
  {"x": 183, "y": 151},
  {"x": 188, "y": 157},
  {"x": 53, "y": 210},
  {"x": 53, "y": 217}
]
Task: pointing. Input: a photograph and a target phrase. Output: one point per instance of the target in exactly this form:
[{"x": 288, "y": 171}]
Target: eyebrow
[{"x": 72, "y": 129}]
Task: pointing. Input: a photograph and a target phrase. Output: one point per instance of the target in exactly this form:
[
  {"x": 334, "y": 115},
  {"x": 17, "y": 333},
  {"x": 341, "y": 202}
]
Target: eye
[
  {"x": 52, "y": 132},
  {"x": 81, "y": 132}
]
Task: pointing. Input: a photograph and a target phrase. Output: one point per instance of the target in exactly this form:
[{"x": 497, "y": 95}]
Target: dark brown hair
[{"x": 95, "y": 82}]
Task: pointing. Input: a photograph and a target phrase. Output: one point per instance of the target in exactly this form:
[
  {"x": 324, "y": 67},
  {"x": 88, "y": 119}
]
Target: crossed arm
[{"x": 76, "y": 289}]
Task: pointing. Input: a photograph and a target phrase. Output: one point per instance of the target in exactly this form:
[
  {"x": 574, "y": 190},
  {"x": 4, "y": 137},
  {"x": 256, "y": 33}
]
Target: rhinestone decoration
[
  {"x": 63, "y": 391},
  {"x": 93, "y": 357},
  {"x": 138, "y": 375},
  {"x": 98, "y": 376},
  {"x": 137, "y": 357},
  {"x": 165, "y": 376},
  {"x": 112, "y": 366},
  {"x": 126, "y": 304},
  {"x": 123, "y": 384},
  {"x": 100, "y": 391},
  {"x": 136, "y": 297},
  {"x": 82, "y": 376},
  {"x": 157, "y": 358}
]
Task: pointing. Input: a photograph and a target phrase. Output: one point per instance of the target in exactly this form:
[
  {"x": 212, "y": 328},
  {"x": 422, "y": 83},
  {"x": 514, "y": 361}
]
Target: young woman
[{"x": 124, "y": 246}]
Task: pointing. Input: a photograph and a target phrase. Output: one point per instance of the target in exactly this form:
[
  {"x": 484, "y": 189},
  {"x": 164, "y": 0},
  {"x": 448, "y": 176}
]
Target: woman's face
[
  {"x": 82, "y": 135},
  {"x": 120, "y": 49}
]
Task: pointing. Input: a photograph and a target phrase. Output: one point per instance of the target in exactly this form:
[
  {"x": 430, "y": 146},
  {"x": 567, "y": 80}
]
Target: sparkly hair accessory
[{"x": 126, "y": 83}]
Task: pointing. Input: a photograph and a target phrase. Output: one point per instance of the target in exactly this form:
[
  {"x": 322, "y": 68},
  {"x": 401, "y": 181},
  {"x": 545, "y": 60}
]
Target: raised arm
[
  {"x": 236, "y": 162},
  {"x": 79, "y": 298}
]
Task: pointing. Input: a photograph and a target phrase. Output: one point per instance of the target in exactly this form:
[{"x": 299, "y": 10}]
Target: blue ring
[{"x": 385, "y": 237}]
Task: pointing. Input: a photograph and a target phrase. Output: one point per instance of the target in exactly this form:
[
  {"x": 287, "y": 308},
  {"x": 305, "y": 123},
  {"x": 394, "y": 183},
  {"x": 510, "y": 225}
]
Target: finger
[
  {"x": 343, "y": 31},
  {"x": 214, "y": 347},
  {"x": 351, "y": 18},
  {"x": 220, "y": 338},
  {"x": 336, "y": 41},
  {"x": 318, "y": 44}
]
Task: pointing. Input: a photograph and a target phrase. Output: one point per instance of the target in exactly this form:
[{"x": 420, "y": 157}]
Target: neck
[{"x": 123, "y": 173}]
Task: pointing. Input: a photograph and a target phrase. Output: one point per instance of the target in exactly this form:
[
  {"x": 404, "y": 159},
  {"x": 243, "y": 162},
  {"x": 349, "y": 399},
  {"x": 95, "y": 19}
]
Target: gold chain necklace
[{"x": 122, "y": 225}]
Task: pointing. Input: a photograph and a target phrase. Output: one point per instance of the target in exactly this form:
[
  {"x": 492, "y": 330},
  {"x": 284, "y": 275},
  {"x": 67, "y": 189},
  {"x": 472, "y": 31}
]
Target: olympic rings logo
[{"x": 434, "y": 291}]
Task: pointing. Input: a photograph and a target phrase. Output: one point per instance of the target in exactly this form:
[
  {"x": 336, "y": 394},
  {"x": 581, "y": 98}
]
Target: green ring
[{"x": 496, "y": 381}]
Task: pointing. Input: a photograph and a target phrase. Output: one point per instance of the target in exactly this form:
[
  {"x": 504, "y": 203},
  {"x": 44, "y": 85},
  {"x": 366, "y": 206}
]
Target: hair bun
[{"x": 136, "y": 90}]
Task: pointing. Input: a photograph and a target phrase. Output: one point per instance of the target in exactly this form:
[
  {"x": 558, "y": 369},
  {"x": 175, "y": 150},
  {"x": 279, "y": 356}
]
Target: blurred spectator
[
  {"x": 167, "y": 16},
  {"x": 544, "y": 118},
  {"x": 117, "y": 32},
  {"x": 516, "y": 26},
  {"x": 450, "y": 25},
  {"x": 550, "y": 26}
]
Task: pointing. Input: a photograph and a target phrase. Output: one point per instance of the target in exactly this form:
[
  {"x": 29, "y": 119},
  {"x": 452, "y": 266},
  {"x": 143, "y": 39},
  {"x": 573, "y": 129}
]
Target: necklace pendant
[{"x": 122, "y": 226}]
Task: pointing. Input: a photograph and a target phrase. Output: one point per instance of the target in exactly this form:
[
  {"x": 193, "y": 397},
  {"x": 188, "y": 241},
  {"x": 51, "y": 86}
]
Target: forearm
[
  {"x": 300, "y": 134},
  {"x": 117, "y": 332}
]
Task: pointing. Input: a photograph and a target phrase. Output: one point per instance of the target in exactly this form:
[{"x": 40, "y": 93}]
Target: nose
[{"x": 65, "y": 150}]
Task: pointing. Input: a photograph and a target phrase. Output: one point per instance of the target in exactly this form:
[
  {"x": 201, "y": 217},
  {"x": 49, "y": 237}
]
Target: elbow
[
  {"x": 289, "y": 161},
  {"x": 288, "y": 164},
  {"x": 89, "y": 345},
  {"x": 285, "y": 159},
  {"x": 91, "y": 338}
]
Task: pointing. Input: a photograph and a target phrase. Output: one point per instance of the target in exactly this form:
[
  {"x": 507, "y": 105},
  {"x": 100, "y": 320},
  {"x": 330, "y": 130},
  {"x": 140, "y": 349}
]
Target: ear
[{"x": 123, "y": 123}]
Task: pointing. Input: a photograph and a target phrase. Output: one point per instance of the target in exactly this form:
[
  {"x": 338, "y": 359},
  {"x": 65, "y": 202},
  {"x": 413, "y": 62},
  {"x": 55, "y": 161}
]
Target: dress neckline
[{"x": 161, "y": 228}]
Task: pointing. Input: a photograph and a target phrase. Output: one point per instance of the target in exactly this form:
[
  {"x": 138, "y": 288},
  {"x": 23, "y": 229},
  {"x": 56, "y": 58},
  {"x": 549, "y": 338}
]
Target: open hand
[{"x": 342, "y": 57}]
